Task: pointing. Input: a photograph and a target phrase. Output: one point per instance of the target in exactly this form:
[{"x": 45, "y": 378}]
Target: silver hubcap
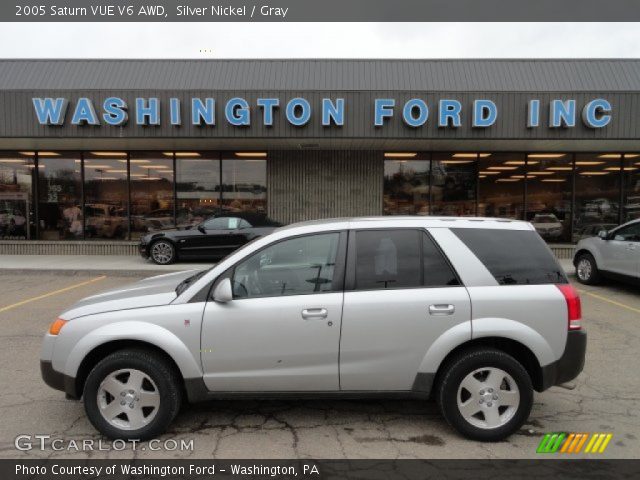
[
  {"x": 162, "y": 252},
  {"x": 488, "y": 398},
  {"x": 584, "y": 269},
  {"x": 128, "y": 399}
]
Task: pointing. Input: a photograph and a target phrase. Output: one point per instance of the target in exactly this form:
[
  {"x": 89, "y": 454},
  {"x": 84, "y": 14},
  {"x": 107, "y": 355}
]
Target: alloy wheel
[
  {"x": 488, "y": 398},
  {"x": 128, "y": 399},
  {"x": 162, "y": 252},
  {"x": 584, "y": 269}
]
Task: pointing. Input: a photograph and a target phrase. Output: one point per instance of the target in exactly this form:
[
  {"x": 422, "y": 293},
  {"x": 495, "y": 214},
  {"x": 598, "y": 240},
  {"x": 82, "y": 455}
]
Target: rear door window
[
  {"x": 402, "y": 258},
  {"x": 514, "y": 257}
]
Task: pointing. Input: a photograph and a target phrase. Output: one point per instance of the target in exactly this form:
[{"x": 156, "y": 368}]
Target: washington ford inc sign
[{"x": 115, "y": 111}]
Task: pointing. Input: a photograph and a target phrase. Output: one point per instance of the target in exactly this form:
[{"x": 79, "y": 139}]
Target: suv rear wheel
[
  {"x": 485, "y": 394},
  {"x": 132, "y": 394},
  {"x": 586, "y": 269}
]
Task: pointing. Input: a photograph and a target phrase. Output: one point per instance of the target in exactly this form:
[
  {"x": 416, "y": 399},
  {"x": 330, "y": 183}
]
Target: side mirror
[
  {"x": 223, "y": 292},
  {"x": 602, "y": 234},
  {"x": 201, "y": 228}
]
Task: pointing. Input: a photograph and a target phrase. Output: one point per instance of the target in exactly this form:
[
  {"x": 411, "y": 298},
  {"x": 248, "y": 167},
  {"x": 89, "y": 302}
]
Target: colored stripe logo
[{"x": 574, "y": 443}]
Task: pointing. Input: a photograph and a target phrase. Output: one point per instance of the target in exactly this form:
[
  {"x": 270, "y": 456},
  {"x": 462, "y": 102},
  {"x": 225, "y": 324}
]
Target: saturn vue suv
[{"x": 474, "y": 312}]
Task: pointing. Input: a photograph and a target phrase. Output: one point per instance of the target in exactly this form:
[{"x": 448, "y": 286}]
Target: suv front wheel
[
  {"x": 132, "y": 394},
  {"x": 586, "y": 269},
  {"x": 485, "y": 394}
]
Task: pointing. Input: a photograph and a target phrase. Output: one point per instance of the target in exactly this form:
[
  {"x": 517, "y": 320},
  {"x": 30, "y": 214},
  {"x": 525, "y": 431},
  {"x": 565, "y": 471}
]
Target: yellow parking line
[
  {"x": 605, "y": 299},
  {"x": 55, "y": 292}
]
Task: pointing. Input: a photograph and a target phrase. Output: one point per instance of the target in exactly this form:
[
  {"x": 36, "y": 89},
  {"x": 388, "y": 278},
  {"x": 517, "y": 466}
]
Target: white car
[
  {"x": 547, "y": 225},
  {"x": 613, "y": 254}
]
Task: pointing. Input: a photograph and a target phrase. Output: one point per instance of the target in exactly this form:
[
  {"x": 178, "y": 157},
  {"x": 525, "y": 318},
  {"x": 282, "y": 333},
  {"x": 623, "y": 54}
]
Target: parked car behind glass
[{"x": 211, "y": 239}]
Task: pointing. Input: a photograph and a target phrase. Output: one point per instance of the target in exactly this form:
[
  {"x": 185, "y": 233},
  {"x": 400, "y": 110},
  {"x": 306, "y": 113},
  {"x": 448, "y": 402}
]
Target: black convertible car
[{"x": 212, "y": 239}]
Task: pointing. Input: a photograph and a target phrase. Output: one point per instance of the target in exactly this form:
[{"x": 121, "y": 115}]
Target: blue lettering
[
  {"x": 203, "y": 112},
  {"x": 50, "y": 111},
  {"x": 596, "y": 113},
  {"x": 408, "y": 111},
  {"x": 305, "y": 112},
  {"x": 449, "y": 110},
  {"x": 237, "y": 112},
  {"x": 533, "y": 117},
  {"x": 174, "y": 111},
  {"x": 268, "y": 105},
  {"x": 383, "y": 109},
  {"x": 84, "y": 113},
  {"x": 332, "y": 112},
  {"x": 115, "y": 111},
  {"x": 147, "y": 114},
  {"x": 562, "y": 113},
  {"x": 485, "y": 113}
]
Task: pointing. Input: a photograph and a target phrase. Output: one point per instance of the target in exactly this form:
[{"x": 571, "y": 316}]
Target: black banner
[
  {"x": 543, "y": 469},
  {"x": 319, "y": 11}
]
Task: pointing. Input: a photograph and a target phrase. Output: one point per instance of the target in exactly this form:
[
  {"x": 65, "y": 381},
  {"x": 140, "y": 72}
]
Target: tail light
[{"x": 574, "y": 308}]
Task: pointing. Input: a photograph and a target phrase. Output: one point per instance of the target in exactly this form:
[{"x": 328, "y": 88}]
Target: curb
[{"x": 71, "y": 272}]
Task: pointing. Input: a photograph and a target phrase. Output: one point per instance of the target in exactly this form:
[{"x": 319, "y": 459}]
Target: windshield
[{"x": 183, "y": 285}]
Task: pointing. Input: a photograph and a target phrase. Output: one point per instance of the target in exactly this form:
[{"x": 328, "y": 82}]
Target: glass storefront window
[
  {"x": 197, "y": 186},
  {"x": 59, "y": 196},
  {"x": 454, "y": 184},
  {"x": 151, "y": 192},
  {"x": 597, "y": 197},
  {"x": 106, "y": 199},
  {"x": 16, "y": 203},
  {"x": 549, "y": 186},
  {"x": 244, "y": 185},
  {"x": 406, "y": 185},
  {"x": 501, "y": 185},
  {"x": 631, "y": 206}
]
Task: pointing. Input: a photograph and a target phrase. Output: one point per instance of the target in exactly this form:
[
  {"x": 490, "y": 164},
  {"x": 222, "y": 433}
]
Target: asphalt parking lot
[{"x": 605, "y": 399}]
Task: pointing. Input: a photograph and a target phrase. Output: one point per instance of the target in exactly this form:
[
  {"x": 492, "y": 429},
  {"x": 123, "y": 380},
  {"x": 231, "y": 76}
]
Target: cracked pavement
[{"x": 606, "y": 398}]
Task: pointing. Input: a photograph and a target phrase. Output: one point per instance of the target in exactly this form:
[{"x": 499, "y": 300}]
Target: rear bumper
[
  {"x": 570, "y": 364},
  {"x": 57, "y": 380}
]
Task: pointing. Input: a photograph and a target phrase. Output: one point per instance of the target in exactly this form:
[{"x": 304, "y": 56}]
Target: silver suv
[
  {"x": 612, "y": 254},
  {"x": 475, "y": 312}
]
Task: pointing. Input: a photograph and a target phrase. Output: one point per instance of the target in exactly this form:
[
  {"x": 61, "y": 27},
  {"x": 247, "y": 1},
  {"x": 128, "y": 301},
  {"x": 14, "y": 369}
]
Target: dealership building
[{"x": 101, "y": 151}]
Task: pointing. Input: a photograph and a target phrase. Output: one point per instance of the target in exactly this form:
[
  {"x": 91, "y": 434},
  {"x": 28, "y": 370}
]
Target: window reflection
[
  {"x": 549, "y": 194},
  {"x": 597, "y": 190},
  {"x": 631, "y": 174},
  {"x": 151, "y": 189},
  {"x": 453, "y": 184},
  {"x": 105, "y": 175},
  {"x": 198, "y": 186},
  {"x": 16, "y": 205},
  {"x": 406, "y": 186},
  {"x": 244, "y": 186},
  {"x": 501, "y": 185},
  {"x": 60, "y": 196}
]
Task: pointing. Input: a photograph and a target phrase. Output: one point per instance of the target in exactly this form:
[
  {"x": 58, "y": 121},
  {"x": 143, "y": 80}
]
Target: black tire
[
  {"x": 455, "y": 371},
  {"x": 158, "y": 369},
  {"x": 165, "y": 245},
  {"x": 589, "y": 273}
]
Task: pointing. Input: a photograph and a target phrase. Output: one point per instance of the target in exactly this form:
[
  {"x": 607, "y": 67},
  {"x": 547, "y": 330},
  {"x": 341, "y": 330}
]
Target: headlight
[{"x": 56, "y": 326}]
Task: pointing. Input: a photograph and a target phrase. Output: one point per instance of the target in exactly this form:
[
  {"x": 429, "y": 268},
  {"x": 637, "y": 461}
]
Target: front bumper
[
  {"x": 570, "y": 364},
  {"x": 58, "y": 380},
  {"x": 143, "y": 249}
]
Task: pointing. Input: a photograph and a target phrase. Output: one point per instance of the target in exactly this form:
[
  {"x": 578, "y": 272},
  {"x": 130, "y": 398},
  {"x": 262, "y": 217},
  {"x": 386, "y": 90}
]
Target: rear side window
[
  {"x": 514, "y": 257},
  {"x": 399, "y": 259},
  {"x": 437, "y": 271}
]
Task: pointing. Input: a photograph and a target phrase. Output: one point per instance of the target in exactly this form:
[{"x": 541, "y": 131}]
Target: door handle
[
  {"x": 310, "y": 313},
  {"x": 441, "y": 309}
]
